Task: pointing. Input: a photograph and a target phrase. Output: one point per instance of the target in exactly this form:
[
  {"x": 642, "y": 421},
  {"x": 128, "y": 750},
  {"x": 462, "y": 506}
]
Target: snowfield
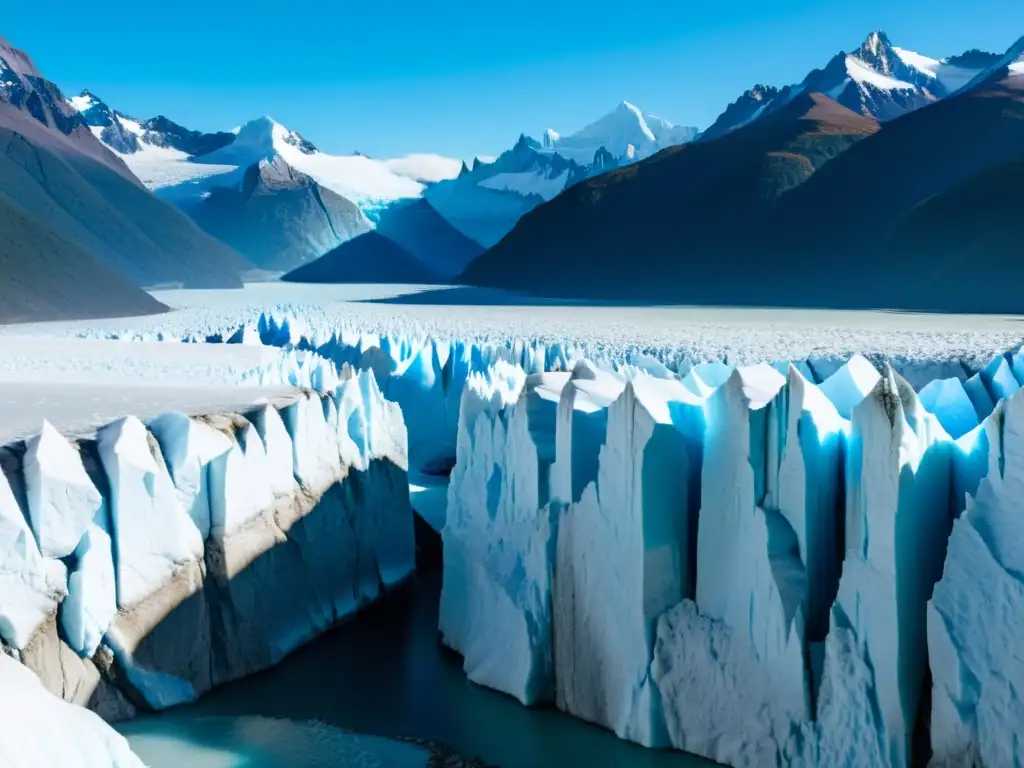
[
  {"x": 754, "y": 535},
  {"x": 740, "y": 336}
]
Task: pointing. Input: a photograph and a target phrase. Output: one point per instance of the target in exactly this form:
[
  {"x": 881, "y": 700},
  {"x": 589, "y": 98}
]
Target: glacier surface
[{"x": 803, "y": 562}]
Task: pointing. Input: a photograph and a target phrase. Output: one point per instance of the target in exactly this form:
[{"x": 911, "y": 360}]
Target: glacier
[
  {"x": 789, "y": 563},
  {"x": 40, "y": 729},
  {"x": 149, "y": 563}
]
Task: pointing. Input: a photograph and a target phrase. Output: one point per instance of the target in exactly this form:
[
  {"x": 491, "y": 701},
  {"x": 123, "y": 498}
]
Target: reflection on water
[
  {"x": 385, "y": 673},
  {"x": 258, "y": 742}
]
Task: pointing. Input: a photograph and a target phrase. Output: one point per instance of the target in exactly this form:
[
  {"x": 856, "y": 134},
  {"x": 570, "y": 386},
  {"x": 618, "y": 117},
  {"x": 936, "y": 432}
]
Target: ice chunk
[
  {"x": 806, "y": 436},
  {"x": 979, "y": 395},
  {"x": 948, "y": 401},
  {"x": 976, "y": 614},
  {"x": 418, "y": 386},
  {"x": 239, "y": 487},
  {"x": 30, "y": 586},
  {"x": 246, "y": 334},
  {"x": 41, "y": 730},
  {"x": 62, "y": 500},
  {"x": 719, "y": 698},
  {"x": 91, "y": 603},
  {"x": 846, "y": 731},
  {"x": 374, "y": 428},
  {"x": 189, "y": 446},
  {"x": 369, "y": 426},
  {"x": 314, "y": 443},
  {"x": 714, "y": 374},
  {"x": 152, "y": 533},
  {"x": 624, "y": 555},
  {"x": 751, "y": 581},
  {"x": 999, "y": 379},
  {"x": 496, "y": 598},
  {"x": 850, "y": 384},
  {"x": 897, "y": 521},
  {"x": 278, "y": 447},
  {"x": 581, "y": 429}
]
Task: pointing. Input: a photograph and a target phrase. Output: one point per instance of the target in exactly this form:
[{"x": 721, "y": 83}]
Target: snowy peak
[
  {"x": 627, "y": 132},
  {"x": 257, "y": 140},
  {"x": 93, "y": 110},
  {"x": 878, "y": 53},
  {"x": 877, "y": 80},
  {"x": 128, "y": 136}
]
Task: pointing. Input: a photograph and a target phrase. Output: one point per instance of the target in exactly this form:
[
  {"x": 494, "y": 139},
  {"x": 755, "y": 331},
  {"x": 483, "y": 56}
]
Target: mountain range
[
  {"x": 77, "y": 204},
  {"x": 811, "y": 203},
  {"x": 842, "y": 189}
]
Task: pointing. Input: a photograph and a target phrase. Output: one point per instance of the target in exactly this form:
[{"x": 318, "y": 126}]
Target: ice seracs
[
  {"x": 153, "y": 535},
  {"x": 976, "y": 611},
  {"x": 496, "y": 603},
  {"x": 624, "y": 555},
  {"x": 898, "y": 517},
  {"x": 32, "y": 586},
  {"x": 277, "y": 529},
  {"x": 62, "y": 499}
]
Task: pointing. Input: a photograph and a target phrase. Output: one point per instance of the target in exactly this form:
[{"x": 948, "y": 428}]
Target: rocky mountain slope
[
  {"x": 53, "y": 167},
  {"x": 633, "y": 231},
  {"x": 878, "y": 79},
  {"x": 45, "y": 277},
  {"x": 777, "y": 214},
  {"x": 278, "y": 217},
  {"x": 369, "y": 258}
]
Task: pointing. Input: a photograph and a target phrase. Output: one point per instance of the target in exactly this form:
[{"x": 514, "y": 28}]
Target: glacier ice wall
[
  {"x": 142, "y": 568},
  {"x": 740, "y": 563}
]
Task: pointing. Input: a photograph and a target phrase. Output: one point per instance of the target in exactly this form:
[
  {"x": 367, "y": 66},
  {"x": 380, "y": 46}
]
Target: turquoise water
[
  {"x": 383, "y": 673},
  {"x": 258, "y": 742}
]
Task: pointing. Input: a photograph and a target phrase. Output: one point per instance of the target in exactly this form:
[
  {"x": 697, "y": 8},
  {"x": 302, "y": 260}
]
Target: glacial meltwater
[{"x": 383, "y": 674}]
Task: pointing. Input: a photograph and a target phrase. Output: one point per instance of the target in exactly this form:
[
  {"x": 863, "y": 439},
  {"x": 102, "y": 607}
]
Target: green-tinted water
[{"x": 385, "y": 673}]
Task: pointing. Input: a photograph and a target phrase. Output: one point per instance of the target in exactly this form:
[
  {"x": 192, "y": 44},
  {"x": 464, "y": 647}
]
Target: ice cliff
[
  {"x": 145, "y": 566},
  {"x": 745, "y": 563},
  {"x": 806, "y": 563}
]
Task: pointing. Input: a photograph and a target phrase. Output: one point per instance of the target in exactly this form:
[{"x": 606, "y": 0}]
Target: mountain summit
[
  {"x": 626, "y": 132},
  {"x": 877, "y": 79}
]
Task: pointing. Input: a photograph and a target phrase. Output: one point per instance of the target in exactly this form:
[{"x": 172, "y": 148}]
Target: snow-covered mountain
[
  {"x": 261, "y": 187},
  {"x": 878, "y": 80},
  {"x": 183, "y": 165},
  {"x": 128, "y": 136},
  {"x": 70, "y": 200},
  {"x": 487, "y": 200},
  {"x": 484, "y": 202},
  {"x": 278, "y": 216},
  {"x": 626, "y": 132}
]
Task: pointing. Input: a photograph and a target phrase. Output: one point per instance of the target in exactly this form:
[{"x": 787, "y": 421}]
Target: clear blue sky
[{"x": 462, "y": 77}]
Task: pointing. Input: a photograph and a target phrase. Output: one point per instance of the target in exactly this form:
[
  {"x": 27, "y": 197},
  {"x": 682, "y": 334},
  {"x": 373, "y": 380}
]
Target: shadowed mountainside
[
  {"x": 369, "y": 258},
  {"x": 54, "y": 168},
  {"x": 636, "y": 231},
  {"x": 44, "y": 277},
  {"x": 795, "y": 209},
  {"x": 279, "y": 217}
]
